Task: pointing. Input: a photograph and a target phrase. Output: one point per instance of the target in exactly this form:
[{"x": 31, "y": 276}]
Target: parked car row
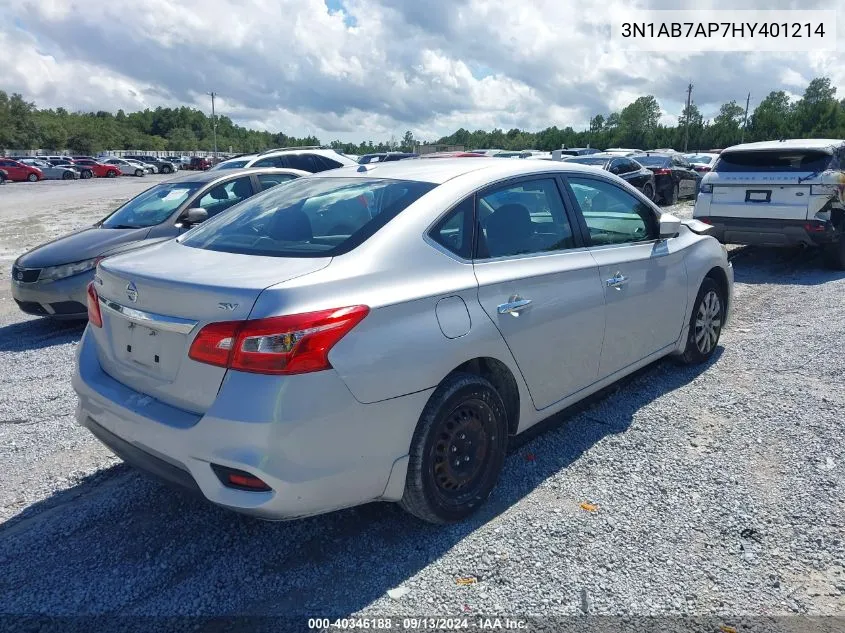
[
  {"x": 33, "y": 169},
  {"x": 239, "y": 317}
]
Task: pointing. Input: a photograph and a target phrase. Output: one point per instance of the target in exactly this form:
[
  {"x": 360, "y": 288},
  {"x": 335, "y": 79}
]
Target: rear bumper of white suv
[
  {"x": 771, "y": 232},
  {"x": 315, "y": 446}
]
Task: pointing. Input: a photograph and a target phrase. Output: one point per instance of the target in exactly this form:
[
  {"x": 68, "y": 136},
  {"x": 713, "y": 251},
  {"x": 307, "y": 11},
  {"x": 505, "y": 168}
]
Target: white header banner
[{"x": 703, "y": 30}]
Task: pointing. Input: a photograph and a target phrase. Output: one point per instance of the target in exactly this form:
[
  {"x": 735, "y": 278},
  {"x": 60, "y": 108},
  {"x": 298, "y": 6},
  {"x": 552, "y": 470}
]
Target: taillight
[
  {"x": 662, "y": 172},
  {"x": 702, "y": 168},
  {"x": 705, "y": 220},
  {"x": 214, "y": 343},
  {"x": 95, "y": 317},
  {"x": 816, "y": 226},
  {"x": 291, "y": 344}
]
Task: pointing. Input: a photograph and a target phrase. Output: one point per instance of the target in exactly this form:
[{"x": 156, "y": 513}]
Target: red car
[
  {"x": 100, "y": 170},
  {"x": 20, "y": 172},
  {"x": 199, "y": 163}
]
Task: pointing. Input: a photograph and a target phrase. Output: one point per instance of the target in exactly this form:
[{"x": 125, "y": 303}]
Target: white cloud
[{"x": 374, "y": 68}]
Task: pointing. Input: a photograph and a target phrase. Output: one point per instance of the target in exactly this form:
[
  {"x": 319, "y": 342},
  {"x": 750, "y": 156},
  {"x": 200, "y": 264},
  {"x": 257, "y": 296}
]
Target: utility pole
[
  {"x": 745, "y": 121},
  {"x": 213, "y": 123},
  {"x": 687, "y": 117}
]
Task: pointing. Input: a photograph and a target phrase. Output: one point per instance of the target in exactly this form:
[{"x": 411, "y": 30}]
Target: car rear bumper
[
  {"x": 770, "y": 232},
  {"x": 306, "y": 437},
  {"x": 63, "y": 299}
]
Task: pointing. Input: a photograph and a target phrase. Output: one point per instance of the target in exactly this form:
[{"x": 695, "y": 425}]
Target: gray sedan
[
  {"x": 52, "y": 172},
  {"x": 51, "y": 279},
  {"x": 379, "y": 332}
]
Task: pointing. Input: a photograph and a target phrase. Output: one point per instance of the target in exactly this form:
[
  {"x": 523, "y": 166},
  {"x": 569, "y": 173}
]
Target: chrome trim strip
[{"x": 150, "y": 319}]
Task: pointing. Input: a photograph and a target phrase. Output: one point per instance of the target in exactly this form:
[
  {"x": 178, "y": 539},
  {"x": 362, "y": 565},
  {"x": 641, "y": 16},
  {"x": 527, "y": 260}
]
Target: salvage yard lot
[{"x": 717, "y": 489}]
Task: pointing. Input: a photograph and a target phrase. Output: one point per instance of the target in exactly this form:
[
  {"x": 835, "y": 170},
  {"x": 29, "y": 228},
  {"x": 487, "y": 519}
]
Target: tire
[
  {"x": 833, "y": 254},
  {"x": 703, "y": 340},
  {"x": 67, "y": 176},
  {"x": 139, "y": 172},
  {"x": 32, "y": 178},
  {"x": 463, "y": 406},
  {"x": 86, "y": 174},
  {"x": 111, "y": 173},
  {"x": 648, "y": 191},
  {"x": 166, "y": 170}
]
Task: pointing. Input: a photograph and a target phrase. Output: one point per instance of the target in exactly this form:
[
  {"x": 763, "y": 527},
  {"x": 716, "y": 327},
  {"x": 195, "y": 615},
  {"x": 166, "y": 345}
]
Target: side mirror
[
  {"x": 196, "y": 215},
  {"x": 670, "y": 226}
]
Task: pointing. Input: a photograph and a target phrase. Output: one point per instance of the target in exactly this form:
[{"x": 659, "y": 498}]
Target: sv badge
[{"x": 227, "y": 306}]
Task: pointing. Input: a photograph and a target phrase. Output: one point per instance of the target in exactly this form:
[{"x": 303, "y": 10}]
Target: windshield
[
  {"x": 782, "y": 161},
  {"x": 701, "y": 160},
  {"x": 311, "y": 217},
  {"x": 651, "y": 161},
  {"x": 587, "y": 161},
  {"x": 232, "y": 164},
  {"x": 152, "y": 207}
]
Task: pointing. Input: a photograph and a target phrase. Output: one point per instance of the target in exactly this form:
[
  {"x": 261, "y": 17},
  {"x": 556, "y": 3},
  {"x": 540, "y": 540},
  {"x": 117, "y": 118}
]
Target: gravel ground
[{"x": 714, "y": 491}]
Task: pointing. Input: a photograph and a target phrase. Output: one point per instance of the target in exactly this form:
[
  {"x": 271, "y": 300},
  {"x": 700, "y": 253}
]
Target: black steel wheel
[{"x": 457, "y": 451}]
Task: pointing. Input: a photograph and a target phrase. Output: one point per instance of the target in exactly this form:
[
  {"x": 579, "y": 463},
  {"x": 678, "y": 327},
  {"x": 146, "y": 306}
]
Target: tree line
[{"x": 818, "y": 113}]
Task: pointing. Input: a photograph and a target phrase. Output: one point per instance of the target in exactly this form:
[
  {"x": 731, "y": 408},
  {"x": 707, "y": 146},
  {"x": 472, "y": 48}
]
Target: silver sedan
[
  {"x": 50, "y": 171},
  {"x": 380, "y": 332}
]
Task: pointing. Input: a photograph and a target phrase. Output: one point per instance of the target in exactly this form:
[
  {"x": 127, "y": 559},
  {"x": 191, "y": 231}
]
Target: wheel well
[
  {"x": 718, "y": 275},
  {"x": 502, "y": 379}
]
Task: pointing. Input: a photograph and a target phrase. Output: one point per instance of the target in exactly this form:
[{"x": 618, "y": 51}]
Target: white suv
[
  {"x": 310, "y": 159},
  {"x": 778, "y": 193}
]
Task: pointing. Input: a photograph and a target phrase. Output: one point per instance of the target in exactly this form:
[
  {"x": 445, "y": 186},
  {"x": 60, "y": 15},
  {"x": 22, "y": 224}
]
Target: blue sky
[{"x": 372, "y": 69}]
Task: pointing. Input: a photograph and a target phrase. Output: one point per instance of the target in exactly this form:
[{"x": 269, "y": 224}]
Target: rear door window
[
  {"x": 523, "y": 218},
  {"x": 773, "y": 160}
]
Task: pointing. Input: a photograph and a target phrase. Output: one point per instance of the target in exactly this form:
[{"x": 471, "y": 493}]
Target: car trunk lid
[
  {"x": 783, "y": 196},
  {"x": 155, "y": 301}
]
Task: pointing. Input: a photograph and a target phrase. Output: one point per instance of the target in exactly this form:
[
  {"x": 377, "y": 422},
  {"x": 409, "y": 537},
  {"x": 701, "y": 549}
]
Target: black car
[
  {"x": 628, "y": 169},
  {"x": 674, "y": 175},
  {"x": 163, "y": 166},
  {"x": 382, "y": 157}
]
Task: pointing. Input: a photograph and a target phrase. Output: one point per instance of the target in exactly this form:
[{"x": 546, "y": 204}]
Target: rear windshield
[
  {"x": 701, "y": 160},
  {"x": 781, "y": 161},
  {"x": 651, "y": 161},
  {"x": 151, "y": 207},
  {"x": 232, "y": 164},
  {"x": 311, "y": 217},
  {"x": 587, "y": 161}
]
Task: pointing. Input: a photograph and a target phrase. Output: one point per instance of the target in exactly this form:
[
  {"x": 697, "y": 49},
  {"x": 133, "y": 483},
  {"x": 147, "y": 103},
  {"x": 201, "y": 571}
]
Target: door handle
[
  {"x": 514, "y": 306},
  {"x": 617, "y": 281}
]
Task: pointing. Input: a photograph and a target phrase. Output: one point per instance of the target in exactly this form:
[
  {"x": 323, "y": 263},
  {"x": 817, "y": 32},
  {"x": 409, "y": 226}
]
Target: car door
[
  {"x": 539, "y": 286},
  {"x": 644, "y": 278},
  {"x": 628, "y": 172},
  {"x": 685, "y": 177},
  {"x": 14, "y": 169}
]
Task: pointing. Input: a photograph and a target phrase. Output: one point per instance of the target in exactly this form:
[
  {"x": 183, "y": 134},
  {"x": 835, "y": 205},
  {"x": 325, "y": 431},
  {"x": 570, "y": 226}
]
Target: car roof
[
  {"x": 444, "y": 169},
  {"x": 211, "y": 176},
  {"x": 824, "y": 144},
  {"x": 330, "y": 153},
  {"x": 647, "y": 154},
  {"x": 603, "y": 155}
]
